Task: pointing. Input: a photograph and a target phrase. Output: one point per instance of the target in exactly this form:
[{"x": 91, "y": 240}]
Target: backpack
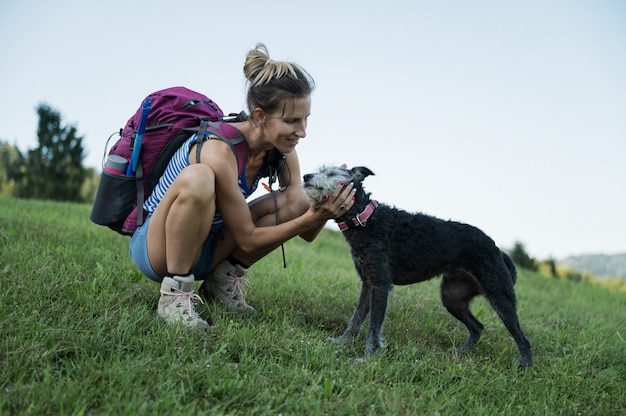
[{"x": 164, "y": 121}]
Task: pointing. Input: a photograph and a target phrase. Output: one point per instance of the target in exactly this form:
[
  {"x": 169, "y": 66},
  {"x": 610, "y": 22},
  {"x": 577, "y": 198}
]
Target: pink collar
[{"x": 362, "y": 218}]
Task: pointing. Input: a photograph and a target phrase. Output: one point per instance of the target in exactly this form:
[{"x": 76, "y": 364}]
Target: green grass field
[{"x": 78, "y": 336}]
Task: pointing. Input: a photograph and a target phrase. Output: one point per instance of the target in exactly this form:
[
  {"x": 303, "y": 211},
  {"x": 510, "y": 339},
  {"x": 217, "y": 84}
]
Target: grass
[{"x": 77, "y": 336}]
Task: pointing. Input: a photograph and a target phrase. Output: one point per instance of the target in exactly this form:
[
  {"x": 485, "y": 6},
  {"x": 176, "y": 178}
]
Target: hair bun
[{"x": 259, "y": 69}]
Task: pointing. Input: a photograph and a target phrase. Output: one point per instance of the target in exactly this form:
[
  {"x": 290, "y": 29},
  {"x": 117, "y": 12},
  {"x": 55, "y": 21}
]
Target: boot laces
[
  {"x": 185, "y": 299},
  {"x": 239, "y": 285}
]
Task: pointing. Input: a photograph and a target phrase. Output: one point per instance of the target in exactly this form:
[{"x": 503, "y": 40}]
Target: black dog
[{"x": 393, "y": 247}]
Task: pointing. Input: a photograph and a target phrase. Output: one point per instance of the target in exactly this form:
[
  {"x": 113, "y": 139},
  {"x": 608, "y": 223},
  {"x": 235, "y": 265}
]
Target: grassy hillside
[
  {"x": 600, "y": 265},
  {"x": 77, "y": 336}
]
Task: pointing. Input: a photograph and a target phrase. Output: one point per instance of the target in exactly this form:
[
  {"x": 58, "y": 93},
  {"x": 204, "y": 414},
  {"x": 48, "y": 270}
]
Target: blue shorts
[{"x": 139, "y": 253}]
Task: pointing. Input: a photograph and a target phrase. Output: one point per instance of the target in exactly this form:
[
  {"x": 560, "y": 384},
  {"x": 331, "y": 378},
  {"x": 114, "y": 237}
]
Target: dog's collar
[{"x": 361, "y": 218}]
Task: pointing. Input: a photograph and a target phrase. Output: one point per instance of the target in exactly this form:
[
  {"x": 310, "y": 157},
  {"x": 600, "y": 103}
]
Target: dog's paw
[
  {"x": 333, "y": 340},
  {"x": 361, "y": 359},
  {"x": 459, "y": 351},
  {"x": 339, "y": 340},
  {"x": 523, "y": 365},
  {"x": 370, "y": 355}
]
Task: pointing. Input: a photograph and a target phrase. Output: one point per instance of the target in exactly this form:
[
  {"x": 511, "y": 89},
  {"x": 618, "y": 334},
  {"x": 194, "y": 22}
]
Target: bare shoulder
[{"x": 216, "y": 154}]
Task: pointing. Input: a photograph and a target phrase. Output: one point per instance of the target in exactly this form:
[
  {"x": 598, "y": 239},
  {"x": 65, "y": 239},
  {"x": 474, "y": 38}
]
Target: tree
[
  {"x": 54, "y": 169},
  {"x": 12, "y": 169},
  {"x": 552, "y": 265},
  {"x": 90, "y": 186},
  {"x": 522, "y": 259}
]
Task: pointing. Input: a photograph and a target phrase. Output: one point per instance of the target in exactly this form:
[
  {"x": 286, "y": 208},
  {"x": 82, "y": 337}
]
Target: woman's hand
[{"x": 336, "y": 205}]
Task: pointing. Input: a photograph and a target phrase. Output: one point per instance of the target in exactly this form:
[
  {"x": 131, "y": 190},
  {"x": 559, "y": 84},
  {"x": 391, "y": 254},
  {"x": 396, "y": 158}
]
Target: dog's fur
[{"x": 395, "y": 247}]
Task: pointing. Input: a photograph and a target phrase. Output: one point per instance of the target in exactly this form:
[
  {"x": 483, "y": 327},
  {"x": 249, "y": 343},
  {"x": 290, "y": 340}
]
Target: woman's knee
[
  {"x": 291, "y": 205},
  {"x": 196, "y": 183},
  {"x": 295, "y": 205}
]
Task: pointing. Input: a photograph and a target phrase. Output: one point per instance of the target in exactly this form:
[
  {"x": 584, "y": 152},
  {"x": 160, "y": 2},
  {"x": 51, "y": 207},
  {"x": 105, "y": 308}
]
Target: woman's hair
[{"x": 270, "y": 82}]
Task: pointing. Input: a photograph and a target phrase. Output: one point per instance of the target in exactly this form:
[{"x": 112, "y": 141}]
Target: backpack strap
[
  {"x": 140, "y": 201},
  {"x": 231, "y": 136},
  {"x": 274, "y": 160},
  {"x": 201, "y": 131},
  {"x": 273, "y": 165}
]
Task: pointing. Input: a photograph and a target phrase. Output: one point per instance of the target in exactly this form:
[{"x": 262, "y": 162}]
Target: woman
[{"x": 199, "y": 224}]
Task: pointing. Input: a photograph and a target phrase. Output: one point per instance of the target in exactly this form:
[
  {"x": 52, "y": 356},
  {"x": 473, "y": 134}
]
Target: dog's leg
[
  {"x": 457, "y": 291},
  {"x": 508, "y": 314},
  {"x": 359, "y": 315},
  {"x": 503, "y": 301},
  {"x": 380, "y": 300}
]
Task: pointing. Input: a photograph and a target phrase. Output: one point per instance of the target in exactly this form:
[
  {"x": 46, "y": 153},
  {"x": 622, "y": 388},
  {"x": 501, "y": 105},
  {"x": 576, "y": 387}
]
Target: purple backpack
[{"x": 174, "y": 115}]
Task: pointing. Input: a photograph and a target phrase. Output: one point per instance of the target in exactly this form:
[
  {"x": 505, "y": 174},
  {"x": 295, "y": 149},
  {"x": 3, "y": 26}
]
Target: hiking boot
[
  {"x": 177, "y": 302},
  {"x": 227, "y": 283}
]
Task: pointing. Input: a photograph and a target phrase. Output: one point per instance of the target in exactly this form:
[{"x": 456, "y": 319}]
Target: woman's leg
[
  {"x": 176, "y": 234},
  {"x": 227, "y": 281},
  {"x": 182, "y": 221}
]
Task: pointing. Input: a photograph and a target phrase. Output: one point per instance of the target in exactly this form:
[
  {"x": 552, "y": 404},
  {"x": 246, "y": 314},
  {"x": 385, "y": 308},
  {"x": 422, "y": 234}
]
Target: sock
[
  {"x": 186, "y": 281},
  {"x": 168, "y": 274},
  {"x": 236, "y": 262}
]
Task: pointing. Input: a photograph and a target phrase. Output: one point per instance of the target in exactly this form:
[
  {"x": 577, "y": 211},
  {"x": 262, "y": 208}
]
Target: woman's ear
[{"x": 258, "y": 116}]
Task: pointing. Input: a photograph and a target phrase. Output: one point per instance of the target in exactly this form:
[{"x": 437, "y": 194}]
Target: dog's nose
[{"x": 307, "y": 177}]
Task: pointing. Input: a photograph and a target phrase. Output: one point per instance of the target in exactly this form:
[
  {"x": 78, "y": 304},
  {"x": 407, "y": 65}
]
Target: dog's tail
[{"x": 510, "y": 265}]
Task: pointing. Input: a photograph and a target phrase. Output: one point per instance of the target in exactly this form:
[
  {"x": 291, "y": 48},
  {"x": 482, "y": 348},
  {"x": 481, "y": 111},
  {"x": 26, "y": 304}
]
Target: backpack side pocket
[{"x": 115, "y": 199}]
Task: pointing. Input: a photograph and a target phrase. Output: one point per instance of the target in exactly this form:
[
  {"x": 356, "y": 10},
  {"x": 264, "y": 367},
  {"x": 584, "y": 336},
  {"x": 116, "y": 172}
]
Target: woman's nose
[{"x": 301, "y": 129}]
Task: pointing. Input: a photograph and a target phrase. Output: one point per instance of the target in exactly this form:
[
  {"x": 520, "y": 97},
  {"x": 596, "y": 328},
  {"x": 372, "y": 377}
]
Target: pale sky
[{"x": 507, "y": 115}]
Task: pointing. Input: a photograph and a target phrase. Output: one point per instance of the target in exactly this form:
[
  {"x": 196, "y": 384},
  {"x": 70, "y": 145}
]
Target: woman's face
[{"x": 288, "y": 125}]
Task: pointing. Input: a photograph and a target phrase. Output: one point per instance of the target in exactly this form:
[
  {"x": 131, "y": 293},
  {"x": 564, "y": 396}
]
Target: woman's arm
[
  {"x": 235, "y": 211},
  {"x": 291, "y": 178}
]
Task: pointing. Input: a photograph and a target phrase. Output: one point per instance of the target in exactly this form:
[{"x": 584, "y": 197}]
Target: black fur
[{"x": 396, "y": 247}]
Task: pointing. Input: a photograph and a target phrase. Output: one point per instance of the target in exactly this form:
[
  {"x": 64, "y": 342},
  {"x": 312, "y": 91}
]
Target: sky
[{"x": 507, "y": 115}]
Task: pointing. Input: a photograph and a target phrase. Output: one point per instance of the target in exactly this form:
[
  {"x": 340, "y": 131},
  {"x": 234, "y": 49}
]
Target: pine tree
[
  {"x": 54, "y": 169},
  {"x": 522, "y": 259},
  {"x": 12, "y": 169}
]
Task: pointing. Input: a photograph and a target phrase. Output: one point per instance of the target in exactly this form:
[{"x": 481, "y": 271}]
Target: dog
[{"x": 393, "y": 247}]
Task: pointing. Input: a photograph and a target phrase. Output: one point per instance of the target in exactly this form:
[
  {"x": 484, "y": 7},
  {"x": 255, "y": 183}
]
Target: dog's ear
[{"x": 360, "y": 172}]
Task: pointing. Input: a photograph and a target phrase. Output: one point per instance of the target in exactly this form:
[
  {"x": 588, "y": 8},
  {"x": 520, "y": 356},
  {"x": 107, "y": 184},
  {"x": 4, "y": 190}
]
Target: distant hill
[{"x": 600, "y": 265}]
